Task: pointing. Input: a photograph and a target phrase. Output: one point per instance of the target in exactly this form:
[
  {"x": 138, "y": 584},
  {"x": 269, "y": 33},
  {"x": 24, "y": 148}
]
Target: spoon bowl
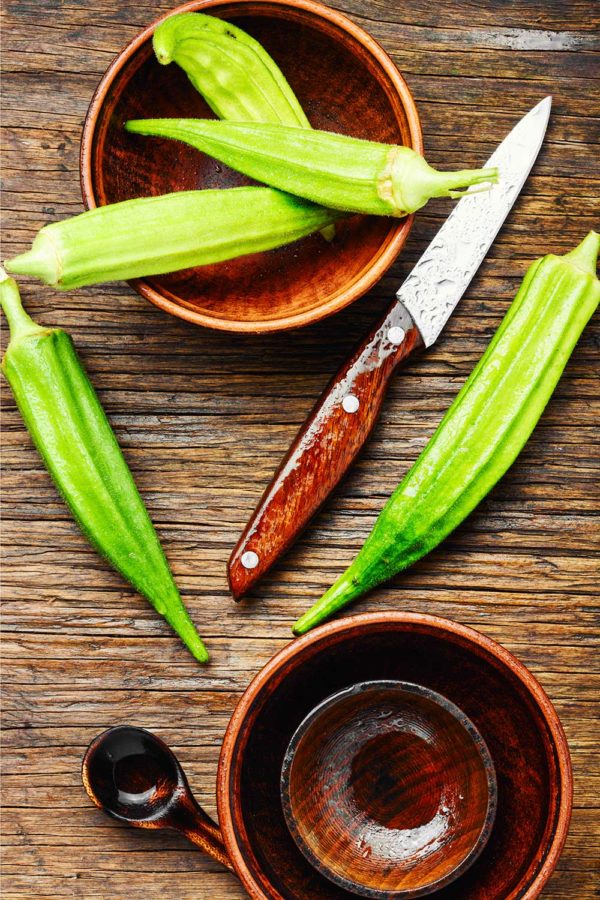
[{"x": 133, "y": 776}]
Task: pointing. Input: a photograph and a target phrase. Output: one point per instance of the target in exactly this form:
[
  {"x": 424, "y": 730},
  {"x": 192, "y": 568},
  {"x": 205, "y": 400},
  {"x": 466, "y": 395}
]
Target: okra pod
[
  {"x": 331, "y": 169},
  {"x": 156, "y": 235},
  {"x": 485, "y": 428},
  {"x": 69, "y": 428},
  {"x": 233, "y": 72}
]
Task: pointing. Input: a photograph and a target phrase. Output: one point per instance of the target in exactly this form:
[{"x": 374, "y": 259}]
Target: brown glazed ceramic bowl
[
  {"x": 345, "y": 82},
  {"x": 497, "y": 693},
  {"x": 389, "y": 790}
]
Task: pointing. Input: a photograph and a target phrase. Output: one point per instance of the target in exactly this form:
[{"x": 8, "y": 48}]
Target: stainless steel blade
[{"x": 443, "y": 273}]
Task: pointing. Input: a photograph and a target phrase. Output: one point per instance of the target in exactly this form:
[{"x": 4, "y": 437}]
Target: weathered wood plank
[{"x": 204, "y": 417}]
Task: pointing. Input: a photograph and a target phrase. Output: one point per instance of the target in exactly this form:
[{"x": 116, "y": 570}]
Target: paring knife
[{"x": 344, "y": 416}]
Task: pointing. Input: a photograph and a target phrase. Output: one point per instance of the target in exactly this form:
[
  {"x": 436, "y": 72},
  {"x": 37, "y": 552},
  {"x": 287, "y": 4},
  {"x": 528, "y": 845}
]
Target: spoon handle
[{"x": 191, "y": 820}]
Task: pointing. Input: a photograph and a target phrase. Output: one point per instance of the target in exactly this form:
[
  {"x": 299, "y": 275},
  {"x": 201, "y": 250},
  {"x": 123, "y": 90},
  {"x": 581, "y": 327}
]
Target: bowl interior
[
  {"x": 341, "y": 86},
  {"x": 504, "y": 711},
  {"x": 388, "y": 789}
]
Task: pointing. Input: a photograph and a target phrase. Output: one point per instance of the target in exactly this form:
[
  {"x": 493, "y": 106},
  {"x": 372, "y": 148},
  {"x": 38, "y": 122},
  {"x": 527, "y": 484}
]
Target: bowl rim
[
  {"x": 477, "y": 741},
  {"x": 394, "y": 239},
  {"x": 269, "y": 678}
]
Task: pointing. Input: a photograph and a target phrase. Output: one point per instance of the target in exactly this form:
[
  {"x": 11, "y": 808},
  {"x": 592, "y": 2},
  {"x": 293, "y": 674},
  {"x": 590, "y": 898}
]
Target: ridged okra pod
[
  {"x": 69, "y": 428},
  {"x": 236, "y": 76},
  {"x": 485, "y": 428},
  {"x": 331, "y": 169},
  {"x": 156, "y": 235}
]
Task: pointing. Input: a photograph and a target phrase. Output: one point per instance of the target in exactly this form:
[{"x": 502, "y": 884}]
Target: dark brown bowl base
[{"x": 345, "y": 83}]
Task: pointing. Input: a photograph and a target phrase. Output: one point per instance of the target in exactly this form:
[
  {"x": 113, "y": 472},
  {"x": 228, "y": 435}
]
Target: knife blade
[{"x": 344, "y": 416}]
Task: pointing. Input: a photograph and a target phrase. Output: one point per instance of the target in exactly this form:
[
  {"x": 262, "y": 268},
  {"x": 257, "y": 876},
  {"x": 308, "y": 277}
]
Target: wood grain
[{"x": 204, "y": 418}]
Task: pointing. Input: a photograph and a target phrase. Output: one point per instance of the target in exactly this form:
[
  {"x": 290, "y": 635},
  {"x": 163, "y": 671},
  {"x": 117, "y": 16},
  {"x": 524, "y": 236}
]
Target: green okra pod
[
  {"x": 69, "y": 428},
  {"x": 156, "y": 235},
  {"x": 485, "y": 428},
  {"x": 236, "y": 76},
  {"x": 331, "y": 169}
]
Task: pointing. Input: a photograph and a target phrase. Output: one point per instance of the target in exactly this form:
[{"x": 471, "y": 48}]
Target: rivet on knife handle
[{"x": 324, "y": 448}]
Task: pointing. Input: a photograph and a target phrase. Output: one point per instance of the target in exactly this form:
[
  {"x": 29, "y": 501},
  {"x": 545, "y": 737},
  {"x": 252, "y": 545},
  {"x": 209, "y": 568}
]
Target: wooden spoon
[{"x": 134, "y": 777}]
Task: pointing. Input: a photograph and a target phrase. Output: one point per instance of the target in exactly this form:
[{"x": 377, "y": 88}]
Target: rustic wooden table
[{"x": 204, "y": 417}]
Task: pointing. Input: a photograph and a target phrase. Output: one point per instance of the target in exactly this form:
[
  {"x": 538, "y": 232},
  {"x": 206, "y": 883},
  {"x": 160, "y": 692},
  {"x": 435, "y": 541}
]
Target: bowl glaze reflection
[{"x": 389, "y": 789}]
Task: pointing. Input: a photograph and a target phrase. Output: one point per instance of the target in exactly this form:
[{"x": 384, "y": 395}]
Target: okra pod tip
[
  {"x": 585, "y": 255},
  {"x": 163, "y": 41},
  {"x": 40, "y": 261},
  {"x": 179, "y": 32},
  {"x": 346, "y": 588}
]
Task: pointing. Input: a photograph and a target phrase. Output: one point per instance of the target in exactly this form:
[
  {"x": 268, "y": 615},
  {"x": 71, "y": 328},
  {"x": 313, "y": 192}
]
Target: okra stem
[
  {"x": 41, "y": 261},
  {"x": 19, "y": 321}
]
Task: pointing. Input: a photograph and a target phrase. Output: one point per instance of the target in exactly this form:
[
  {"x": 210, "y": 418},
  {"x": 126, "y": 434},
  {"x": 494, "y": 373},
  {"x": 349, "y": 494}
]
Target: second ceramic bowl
[
  {"x": 344, "y": 81},
  {"x": 389, "y": 790}
]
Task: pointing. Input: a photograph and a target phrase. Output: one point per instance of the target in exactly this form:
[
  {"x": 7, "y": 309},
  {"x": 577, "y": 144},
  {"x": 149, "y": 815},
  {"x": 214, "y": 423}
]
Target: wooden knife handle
[{"x": 324, "y": 448}]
